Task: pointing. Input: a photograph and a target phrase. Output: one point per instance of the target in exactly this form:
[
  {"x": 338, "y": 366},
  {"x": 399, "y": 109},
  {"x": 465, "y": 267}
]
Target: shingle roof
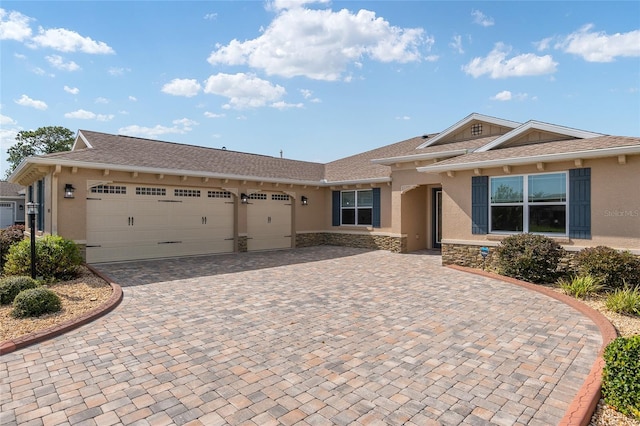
[
  {"x": 146, "y": 153},
  {"x": 8, "y": 189},
  {"x": 540, "y": 150}
]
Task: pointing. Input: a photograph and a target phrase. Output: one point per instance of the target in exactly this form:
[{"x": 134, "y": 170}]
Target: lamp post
[{"x": 32, "y": 210}]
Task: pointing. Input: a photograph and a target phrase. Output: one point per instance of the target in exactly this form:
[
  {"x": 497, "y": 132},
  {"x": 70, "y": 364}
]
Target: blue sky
[{"x": 318, "y": 80}]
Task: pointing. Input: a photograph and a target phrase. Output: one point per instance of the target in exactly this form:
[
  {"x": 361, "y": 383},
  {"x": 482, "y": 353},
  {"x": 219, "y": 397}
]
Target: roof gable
[
  {"x": 463, "y": 129},
  {"x": 533, "y": 132}
]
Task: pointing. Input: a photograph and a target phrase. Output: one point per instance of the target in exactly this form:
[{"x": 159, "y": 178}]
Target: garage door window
[
  {"x": 219, "y": 194},
  {"x": 257, "y": 196},
  {"x": 279, "y": 197},
  {"x": 158, "y": 192},
  {"x": 109, "y": 189},
  {"x": 186, "y": 192}
]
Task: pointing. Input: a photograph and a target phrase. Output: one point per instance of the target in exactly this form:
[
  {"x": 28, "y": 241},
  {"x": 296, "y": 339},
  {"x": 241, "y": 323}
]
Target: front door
[{"x": 436, "y": 202}]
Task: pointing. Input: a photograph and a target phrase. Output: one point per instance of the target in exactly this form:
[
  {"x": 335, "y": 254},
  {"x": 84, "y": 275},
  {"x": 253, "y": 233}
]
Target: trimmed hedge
[
  {"x": 10, "y": 287},
  {"x": 56, "y": 259},
  {"x": 613, "y": 268},
  {"x": 621, "y": 379},
  {"x": 529, "y": 257},
  {"x": 35, "y": 302}
]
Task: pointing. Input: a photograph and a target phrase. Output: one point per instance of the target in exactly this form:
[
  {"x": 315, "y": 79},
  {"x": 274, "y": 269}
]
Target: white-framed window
[
  {"x": 535, "y": 203},
  {"x": 356, "y": 207}
]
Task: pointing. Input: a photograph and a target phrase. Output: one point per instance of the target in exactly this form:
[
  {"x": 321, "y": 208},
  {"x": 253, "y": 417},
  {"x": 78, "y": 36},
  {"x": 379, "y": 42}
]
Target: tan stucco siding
[{"x": 615, "y": 202}]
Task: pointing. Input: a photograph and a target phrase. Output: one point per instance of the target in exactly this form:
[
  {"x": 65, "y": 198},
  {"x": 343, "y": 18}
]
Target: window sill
[{"x": 499, "y": 237}]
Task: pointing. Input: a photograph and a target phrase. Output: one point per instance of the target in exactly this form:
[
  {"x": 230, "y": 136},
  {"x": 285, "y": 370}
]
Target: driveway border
[
  {"x": 11, "y": 345},
  {"x": 586, "y": 400}
]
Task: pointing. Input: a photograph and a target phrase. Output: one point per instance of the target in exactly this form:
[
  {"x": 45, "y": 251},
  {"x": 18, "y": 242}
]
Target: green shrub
[
  {"x": 621, "y": 377},
  {"x": 35, "y": 302},
  {"x": 625, "y": 301},
  {"x": 56, "y": 259},
  {"x": 8, "y": 237},
  {"x": 612, "y": 267},
  {"x": 529, "y": 257},
  {"x": 11, "y": 286},
  {"x": 580, "y": 286}
]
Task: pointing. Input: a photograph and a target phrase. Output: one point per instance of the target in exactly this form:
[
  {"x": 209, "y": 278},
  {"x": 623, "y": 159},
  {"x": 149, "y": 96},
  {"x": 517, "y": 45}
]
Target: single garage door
[
  {"x": 268, "y": 221},
  {"x": 127, "y": 222},
  {"x": 6, "y": 214}
]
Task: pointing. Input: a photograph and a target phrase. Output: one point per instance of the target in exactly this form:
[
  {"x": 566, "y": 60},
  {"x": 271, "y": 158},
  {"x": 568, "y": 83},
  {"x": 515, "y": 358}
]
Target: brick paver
[{"x": 321, "y": 335}]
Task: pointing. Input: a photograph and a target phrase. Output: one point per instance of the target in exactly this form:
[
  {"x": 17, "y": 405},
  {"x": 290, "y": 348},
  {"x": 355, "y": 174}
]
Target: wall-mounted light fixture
[
  {"x": 304, "y": 200},
  {"x": 69, "y": 190},
  {"x": 21, "y": 207},
  {"x": 244, "y": 199}
]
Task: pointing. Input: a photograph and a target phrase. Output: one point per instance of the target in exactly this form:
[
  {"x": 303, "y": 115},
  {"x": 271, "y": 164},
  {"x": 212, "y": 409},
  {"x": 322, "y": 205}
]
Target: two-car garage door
[{"x": 126, "y": 222}]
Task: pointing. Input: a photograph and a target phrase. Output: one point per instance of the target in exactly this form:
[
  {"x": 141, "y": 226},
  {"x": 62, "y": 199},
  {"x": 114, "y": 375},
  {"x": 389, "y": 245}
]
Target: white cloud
[
  {"x": 65, "y": 40},
  {"x": 58, "y": 62},
  {"x": 38, "y": 71},
  {"x": 543, "y": 44},
  {"x": 497, "y": 65},
  {"x": 19, "y": 56},
  {"x": 7, "y": 121},
  {"x": 403, "y": 117},
  {"x": 456, "y": 44},
  {"x": 482, "y": 19},
  {"x": 116, "y": 72},
  {"x": 182, "y": 87},
  {"x": 82, "y": 114},
  {"x": 14, "y": 26},
  {"x": 598, "y": 46},
  {"x": 186, "y": 123},
  {"x": 101, "y": 100},
  {"x": 321, "y": 44},
  {"x": 505, "y": 95},
  {"x": 243, "y": 90},
  {"x": 28, "y": 102},
  {"x": 308, "y": 94},
  {"x": 211, "y": 16},
  {"x": 133, "y": 99},
  {"x": 213, "y": 115},
  {"x": 72, "y": 90},
  {"x": 150, "y": 132},
  {"x": 283, "y": 105}
]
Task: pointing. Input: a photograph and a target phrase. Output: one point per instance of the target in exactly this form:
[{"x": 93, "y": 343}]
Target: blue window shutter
[
  {"x": 40, "y": 216},
  {"x": 480, "y": 205},
  {"x": 580, "y": 203},
  {"x": 376, "y": 208},
  {"x": 335, "y": 219}
]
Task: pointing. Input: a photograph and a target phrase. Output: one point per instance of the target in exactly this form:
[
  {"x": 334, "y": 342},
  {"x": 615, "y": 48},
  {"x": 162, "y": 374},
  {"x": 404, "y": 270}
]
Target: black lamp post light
[{"x": 32, "y": 211}]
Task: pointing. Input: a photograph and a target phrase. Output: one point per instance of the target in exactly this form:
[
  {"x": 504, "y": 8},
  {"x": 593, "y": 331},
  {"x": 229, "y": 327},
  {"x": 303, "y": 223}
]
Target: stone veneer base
[{"x": 374, "y": 242}]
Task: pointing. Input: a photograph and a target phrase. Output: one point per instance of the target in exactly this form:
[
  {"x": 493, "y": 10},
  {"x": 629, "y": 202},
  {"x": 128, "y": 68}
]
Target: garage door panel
[
  {"x": 269, "y": 222},
  {"x": 152, "y": 222}
]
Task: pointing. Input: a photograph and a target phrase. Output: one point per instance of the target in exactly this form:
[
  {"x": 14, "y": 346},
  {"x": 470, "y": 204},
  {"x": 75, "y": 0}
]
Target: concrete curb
[
  {"x": 586, "y": 400},
  {"x": 20, "y": 342}
]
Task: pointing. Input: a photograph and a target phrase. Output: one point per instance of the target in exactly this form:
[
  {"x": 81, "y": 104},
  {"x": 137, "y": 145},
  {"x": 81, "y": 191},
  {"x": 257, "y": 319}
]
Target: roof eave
[
  {"x": 544, "y": 158},
  {"x": 419, "y": 157},
  {"x": 34, "y": 161},
  {"x": 537, "y": 125}
]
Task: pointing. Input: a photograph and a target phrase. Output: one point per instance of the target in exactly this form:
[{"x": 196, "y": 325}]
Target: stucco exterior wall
[{"x": 615, "y": 203}]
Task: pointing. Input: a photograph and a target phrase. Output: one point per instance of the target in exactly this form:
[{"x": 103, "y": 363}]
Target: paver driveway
[{"x": 322, "y": 335}]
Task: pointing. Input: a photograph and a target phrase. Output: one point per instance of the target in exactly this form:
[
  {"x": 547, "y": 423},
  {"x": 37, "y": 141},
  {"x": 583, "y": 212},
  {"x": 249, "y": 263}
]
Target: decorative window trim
[
  {"x": 158, "y": 192},
  {"x": 109, "y": 189},
  {"x": 526, "y": 204}
]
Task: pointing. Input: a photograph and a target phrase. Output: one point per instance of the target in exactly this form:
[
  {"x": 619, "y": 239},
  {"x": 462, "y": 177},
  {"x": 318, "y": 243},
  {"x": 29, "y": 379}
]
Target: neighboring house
[
  {"x": 11, "y": 204},
  {"x": 123, "y": 198}
]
